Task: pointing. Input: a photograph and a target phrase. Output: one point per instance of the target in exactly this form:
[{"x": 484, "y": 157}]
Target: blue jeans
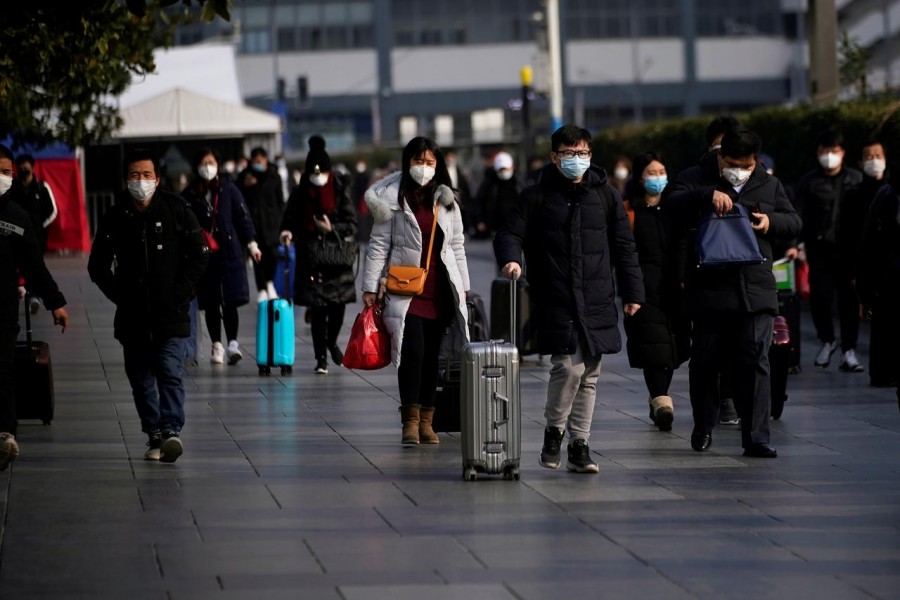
[{"x": 155, "y": 372}]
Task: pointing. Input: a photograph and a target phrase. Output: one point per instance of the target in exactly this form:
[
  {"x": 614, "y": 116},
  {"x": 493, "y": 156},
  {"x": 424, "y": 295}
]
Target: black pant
[
  {"x": 216, "y": 316},
  {"x": 741, "y": 341},
  {"x": 8, "y": 336},
  {"x": 419, "y": 352},
  {"x": 658, "y": 380},
  {"x": 829, "y": 278},
  {"x": 264, "y": 270},
  {"x": 884, "y": 333},
  {"x": 326, "y": 323}
]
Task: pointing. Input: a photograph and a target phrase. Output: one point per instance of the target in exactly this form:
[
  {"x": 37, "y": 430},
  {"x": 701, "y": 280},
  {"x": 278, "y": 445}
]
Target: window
[
  {"x": 721, "y": 18},
  {"x": 426, "y": 22}
]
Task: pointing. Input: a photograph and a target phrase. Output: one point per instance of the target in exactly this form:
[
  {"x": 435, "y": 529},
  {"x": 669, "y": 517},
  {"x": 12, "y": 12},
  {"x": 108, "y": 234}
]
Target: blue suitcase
[{"x": 275, "y": 330}]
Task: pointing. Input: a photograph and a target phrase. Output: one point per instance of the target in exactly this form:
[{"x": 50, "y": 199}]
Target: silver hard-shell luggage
[{"x": 491, "y": 415}]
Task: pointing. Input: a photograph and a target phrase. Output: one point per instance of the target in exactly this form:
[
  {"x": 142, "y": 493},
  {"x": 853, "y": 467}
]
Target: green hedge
[{"x": 788, "y": 134}]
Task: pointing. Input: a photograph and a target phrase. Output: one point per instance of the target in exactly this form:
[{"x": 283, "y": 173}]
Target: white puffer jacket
[{"x": 397, "y": 240}]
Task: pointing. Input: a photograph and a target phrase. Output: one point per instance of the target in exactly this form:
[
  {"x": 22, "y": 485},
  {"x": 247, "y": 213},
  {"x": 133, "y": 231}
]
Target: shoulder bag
[
  {"x": 211, "y": 242},
  {"x": 410, "y": 281},
  {"x": 334, "y": 251},
  {"x": 727, "y": 240}
]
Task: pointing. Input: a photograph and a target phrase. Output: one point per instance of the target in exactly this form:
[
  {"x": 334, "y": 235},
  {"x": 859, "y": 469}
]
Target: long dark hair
[
  {"x": 200, "y": 184},
  {"x": 408, "y": 186},
  {"x": 636, "y": 192}
]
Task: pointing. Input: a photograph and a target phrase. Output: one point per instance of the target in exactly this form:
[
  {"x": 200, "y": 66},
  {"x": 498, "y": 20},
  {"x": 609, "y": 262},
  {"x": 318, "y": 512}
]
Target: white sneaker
[
  {"x": 9, "y": 450},
  {"x": 218, "y": 354},
  {"x": 234, "y": 353},
  {"x": 823, "y": 358},
  {"x": 262, "y": 297},
  {"x": 849, "y": 363}
]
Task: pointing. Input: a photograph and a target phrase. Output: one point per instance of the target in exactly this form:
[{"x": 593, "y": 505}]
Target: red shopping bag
[
  {"x": 803, "y": 279},
  {"x": 369, "y": 347}
]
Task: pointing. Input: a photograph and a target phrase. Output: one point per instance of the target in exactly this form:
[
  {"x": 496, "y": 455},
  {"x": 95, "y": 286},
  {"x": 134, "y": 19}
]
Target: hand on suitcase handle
[
  {"x": 61, "y": 317},
  {"x": 512, "y": 270},
  {"x": 286, "y": 237}
]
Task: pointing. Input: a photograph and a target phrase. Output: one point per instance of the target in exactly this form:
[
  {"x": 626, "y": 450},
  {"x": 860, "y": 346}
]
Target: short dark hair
[
  {"x": 259, "y": 151},
  {"x": 6, "y": 152},
  {"x": 720, "y": 126},
  {"x": 741, "y": 142},
  {"x": 569, "y": 135},
  {"x": 415, "y": 148},
  {"x": 635, "y": 191},
  {"x": 24, "y": 158},
  {"x": 871, "y": 141},
  {"x": 829, "y": 138},
  {"x": 138, "y": 155}
]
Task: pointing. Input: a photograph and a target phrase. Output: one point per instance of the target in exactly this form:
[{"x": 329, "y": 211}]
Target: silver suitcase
[{"x": 490, "y": 411}]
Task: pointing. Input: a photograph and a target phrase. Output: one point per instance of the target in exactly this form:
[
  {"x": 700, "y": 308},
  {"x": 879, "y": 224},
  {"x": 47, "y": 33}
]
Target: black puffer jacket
[
  {"x": 820, "y": 200},
  {"x": 149, "y": 264},
  {"x": 747, "y": 289},
  {"x": 568, "y": 253},
  {"x": 878, "y": 277},
  {"x": 264, "y": 196},
  {"x": 20, "y": 252}
]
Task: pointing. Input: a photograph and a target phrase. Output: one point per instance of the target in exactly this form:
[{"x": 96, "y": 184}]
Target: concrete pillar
[{"x": 821, "y": 20}]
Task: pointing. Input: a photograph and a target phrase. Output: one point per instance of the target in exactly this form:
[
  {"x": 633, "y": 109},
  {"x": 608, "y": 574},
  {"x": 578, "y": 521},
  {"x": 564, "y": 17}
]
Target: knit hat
[
  {"x": 503, "y": 161},
  {"x": 317, "y": 156}
]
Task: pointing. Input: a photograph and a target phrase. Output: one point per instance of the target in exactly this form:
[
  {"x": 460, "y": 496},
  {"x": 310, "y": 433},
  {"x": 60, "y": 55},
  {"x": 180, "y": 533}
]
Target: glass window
[
  {"x": 335, "y": 13},
  {"x": 360, "y": 12},
  {"x": 256, "y": 16},
  {"x": 287, "y": 38},
  {"x": 336, "y": 37},
  {"x": 285, "y": 15},
  {"x": 363, "y": 36},
  {"x": 309, "y": 14}
]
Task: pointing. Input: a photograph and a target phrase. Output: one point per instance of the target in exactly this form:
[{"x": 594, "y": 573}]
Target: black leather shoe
[
  {"x": 701, "y": 443},
  {"x": 760, "y": 451}
]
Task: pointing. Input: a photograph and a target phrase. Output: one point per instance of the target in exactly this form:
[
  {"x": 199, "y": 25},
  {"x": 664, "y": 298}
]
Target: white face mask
[
  {"x": 142, "y": 189},
  {"x": 5, "y": 184},
  {"x": 830, "y": 160},
  {"x": 208, "y": 172},
  {"x": 229, "y": 166},
  {"x": 319, "y": 180},
  {"x": 421, "y": 174},
  {"x": 874, "y": 167},
  {"x": 620, "y": 173},
  {"x": 736, "y": 176},
  {"x": 505, "y": 175}
]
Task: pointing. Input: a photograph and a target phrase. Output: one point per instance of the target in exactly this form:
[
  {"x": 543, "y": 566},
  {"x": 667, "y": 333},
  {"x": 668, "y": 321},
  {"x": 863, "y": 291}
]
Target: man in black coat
[
  {"x": 830, "y": 243},
  {"x": 148, "y": 256},
  {"x": 573, "y": 229},
  {"x": 20, "y": 253},
  {"x": 732, "y": 307}
]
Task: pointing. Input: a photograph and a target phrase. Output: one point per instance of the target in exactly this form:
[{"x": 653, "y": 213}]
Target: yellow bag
[{"x": 410, "y": 281}]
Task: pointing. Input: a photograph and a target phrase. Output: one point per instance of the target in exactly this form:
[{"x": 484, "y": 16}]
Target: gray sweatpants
[{"x": 572, "y": 392}]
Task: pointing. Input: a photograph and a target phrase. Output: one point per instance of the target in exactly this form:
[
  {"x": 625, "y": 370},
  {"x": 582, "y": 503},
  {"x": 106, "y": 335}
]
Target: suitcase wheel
[
  {"x": 470, "y": 474},
  {"x": 511, "y": 474},
  {"x": 264, "y": 371},
  {"x": 285, "y": 371}
]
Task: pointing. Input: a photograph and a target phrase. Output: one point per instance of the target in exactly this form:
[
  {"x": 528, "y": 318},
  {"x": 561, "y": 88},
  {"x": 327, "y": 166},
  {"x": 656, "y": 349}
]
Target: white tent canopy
[{"x": 183, "y": 113}]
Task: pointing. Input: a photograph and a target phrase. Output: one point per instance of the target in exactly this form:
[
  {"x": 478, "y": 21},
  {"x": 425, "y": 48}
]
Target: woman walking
[
  {"x": 658, "y": 334},
  {"x": 404, "y": 206},
  {"x": 224, "y": 217},
  {"x": 321, "y": 220}
]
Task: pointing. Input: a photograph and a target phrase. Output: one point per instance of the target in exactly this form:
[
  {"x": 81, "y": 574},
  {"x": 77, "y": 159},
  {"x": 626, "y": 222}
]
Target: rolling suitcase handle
[
  {"x": 513, "y": 304},
  {"x": 288, "y": 292},
  {"x": 27, "y": 319}
]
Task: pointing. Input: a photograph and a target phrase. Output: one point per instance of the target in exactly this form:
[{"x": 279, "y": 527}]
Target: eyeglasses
[{"x": 574, "y": 153}]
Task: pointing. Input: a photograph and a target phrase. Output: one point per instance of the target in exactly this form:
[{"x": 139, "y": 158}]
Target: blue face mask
[
  {"x": 573, "y": 168},
  {"x": 655, "y": 185},
  {"x": 258, "y": 167}
]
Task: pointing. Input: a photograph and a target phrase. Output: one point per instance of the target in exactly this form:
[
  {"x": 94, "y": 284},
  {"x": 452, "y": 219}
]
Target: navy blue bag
[{"x": 727, "y": 240}]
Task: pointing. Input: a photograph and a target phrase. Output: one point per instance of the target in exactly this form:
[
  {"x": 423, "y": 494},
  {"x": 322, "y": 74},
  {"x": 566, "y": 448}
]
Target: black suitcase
[
  {"x": 500, "y": 318},
  {"x": 789, "y": 308},
  {"x": 33, "y": 377},
  {"x": 446, "y": 401}
]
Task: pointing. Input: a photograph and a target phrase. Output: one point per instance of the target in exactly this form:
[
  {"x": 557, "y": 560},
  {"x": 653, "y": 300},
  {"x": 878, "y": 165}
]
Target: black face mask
[{"x": 25, "y": 174}]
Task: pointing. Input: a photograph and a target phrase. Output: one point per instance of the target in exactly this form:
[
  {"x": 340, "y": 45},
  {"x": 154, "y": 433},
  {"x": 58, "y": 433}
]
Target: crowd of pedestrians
[{"x": 587, "y": 239}]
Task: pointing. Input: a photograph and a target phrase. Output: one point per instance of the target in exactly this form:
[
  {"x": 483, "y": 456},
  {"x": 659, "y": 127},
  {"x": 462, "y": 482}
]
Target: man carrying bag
[{"x": 733, "y": 305}]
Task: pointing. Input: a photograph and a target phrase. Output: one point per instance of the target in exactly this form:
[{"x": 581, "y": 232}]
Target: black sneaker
[
  {"x": 336, "y": 355},
  {"x": 727, "y": 413},
  {"x": 553, "y": 438},
  {"x": 171, "y": 447},
  {"x": 580, "y": 458},
  {"x": 153, "y": 446},
  {"x": 321, "y": 366}
]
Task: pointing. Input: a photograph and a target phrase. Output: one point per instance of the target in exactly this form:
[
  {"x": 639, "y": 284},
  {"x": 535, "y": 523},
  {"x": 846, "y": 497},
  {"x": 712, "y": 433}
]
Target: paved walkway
[{"x": 297, "y": 487}]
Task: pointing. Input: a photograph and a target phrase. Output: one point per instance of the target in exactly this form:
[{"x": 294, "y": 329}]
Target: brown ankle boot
[
  {"x": 426, "y": 433},
  {"x": 409, "y": 416}
]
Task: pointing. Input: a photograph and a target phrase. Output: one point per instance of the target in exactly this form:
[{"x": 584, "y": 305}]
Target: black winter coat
[
  {"x": 570, "y": 253},
  {"x": 20, "y": 252},
  {"x": 149, "y": 264},
  {"x": 747, "y": 289},
  {"x": 878, "y": 276},
  {"x": 225, "y": 278},
  {"x": 659, "y": 333},
  {"x": 494, "y": 200},
  {"x": 831, "y": 225},
  {"x": 265, "y": 199},
  {"x": 317, "y": 285}
]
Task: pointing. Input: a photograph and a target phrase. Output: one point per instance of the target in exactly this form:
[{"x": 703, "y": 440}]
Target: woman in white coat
[{"x": 402, "y": 205}]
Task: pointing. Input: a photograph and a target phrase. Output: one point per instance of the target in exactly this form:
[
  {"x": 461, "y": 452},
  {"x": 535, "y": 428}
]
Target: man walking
[
  {"x": 733, "y": 307},
  {"x": 147, "y": 258},
  {"x": 573, "y": 230},
  {"x": 20, "y": 252}
]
